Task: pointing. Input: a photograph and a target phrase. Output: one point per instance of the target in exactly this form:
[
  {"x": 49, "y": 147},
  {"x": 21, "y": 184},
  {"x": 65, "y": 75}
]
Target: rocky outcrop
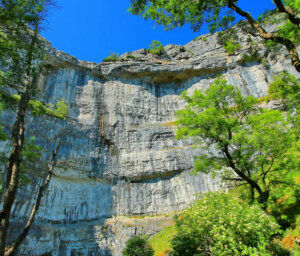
[{"x": 119, "y": 155}]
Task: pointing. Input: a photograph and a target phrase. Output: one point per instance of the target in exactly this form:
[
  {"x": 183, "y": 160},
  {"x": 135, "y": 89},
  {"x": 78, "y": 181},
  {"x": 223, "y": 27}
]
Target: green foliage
[
  {"x": 239, "y": 140},
  {"x": 221, "y": 224},
  {"x": 289, "y": 30},
  {"x": 285, "y": 28},
  {"x": 286, "y": 87},
  {"x": 176, "y": 13},
  {"x": 156, "y": 47},
  {"x": 229, "y": 40},
  {"x": 60, "y": 110},
  {"x": 112, "y": 57},
  {"x": 266, "y": 17},
  {"x": 131, "y": 57},
  {"x": 284, "y": 198},
  {"x": 22, "y": 52},
  {"x": 18, "y": 20},
  {"x": 252, "y": 53},
  {"x": 220, "y": 15},
  {"x": 291, "y": 238},
  {"x": 30, "y": 154},
  {"x": 161, "y": 242},
  {"x": 138, "y": 246},
  {"x": 203, "y": 38},
  {"x": 231, "y": 47}
]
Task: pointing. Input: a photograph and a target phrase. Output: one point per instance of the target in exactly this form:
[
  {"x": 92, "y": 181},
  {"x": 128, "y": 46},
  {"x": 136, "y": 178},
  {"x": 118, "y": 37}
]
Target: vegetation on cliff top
[{"x": 220, "y": 15}]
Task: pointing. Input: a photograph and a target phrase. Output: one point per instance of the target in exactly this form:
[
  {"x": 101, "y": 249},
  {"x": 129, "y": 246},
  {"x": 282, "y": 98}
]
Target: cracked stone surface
[{"x": 119, "y": 155}]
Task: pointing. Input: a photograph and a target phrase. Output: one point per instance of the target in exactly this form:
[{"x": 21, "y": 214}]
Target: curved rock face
[{"x": 119, "y": 155}]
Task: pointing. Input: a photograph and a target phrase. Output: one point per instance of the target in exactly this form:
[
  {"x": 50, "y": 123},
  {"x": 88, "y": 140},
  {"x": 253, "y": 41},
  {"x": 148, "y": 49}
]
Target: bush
[
  {"x": 156, "y": 47},
  {"x": 138, "y": 246},
  {"x": 229, "y": 39},
  {"x": 231, "y": 46},
  {"x": 112, "y": 57},
  {"x": 220, "y": 224},
  {"x": 131, "y": 57}
]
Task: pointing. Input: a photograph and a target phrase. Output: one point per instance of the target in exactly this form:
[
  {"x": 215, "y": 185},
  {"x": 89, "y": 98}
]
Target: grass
[
  {"x": 169, "y": 124},
  {"x": 161, "y": 241}
]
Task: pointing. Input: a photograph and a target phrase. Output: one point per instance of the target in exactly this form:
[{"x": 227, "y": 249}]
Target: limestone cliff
[{"x": 119, "y": 156}]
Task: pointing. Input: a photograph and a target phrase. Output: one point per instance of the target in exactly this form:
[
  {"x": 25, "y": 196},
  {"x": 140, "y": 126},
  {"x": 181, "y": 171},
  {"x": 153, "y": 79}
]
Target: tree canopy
[
  {"x": 240, "y": 140},
  {"x": 138, "y": 246},
  {"x": 221, "y": 224}
]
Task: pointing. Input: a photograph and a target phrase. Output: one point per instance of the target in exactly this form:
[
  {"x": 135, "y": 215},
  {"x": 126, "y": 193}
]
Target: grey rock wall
[{"x": 119, "y": 156}]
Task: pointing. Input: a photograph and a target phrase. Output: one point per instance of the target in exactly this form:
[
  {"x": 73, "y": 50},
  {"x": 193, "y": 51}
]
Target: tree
[
  {"x": 240, "y": 141},
  {"x": 156, "y": 47},
  {"x": 138, "y": 246},
  {"x": 21, "y": 56},
  {"x": 221, "y": 224},
  {"x": 285, "y": 194},
  {"x": 220, "y": 15}
]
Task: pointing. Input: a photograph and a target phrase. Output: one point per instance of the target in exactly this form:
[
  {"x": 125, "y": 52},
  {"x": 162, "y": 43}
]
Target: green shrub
[
  {"x": 220, "y": 224},
  {"x": 156, "y": 47},
  {"x": 138, "y": 246},
  {"x": 112, "y": 57},
  {"x": 229, "y": 40},
  {"x": 131, "y": 57},
  {"x": 231, "y": 46}
]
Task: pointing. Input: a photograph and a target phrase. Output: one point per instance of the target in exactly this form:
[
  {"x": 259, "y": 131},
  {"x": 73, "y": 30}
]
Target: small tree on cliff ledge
[
  {"x": 175, "y": 13},
  {"x": 239, "y": 140}
]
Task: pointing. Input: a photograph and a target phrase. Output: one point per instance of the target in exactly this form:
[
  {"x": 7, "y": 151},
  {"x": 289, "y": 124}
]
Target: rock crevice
[{"x": 119, "y": 155}]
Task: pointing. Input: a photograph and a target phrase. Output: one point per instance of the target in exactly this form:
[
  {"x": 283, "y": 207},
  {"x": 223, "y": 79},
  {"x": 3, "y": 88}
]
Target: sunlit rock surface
[{"x": 119, "y": 156}]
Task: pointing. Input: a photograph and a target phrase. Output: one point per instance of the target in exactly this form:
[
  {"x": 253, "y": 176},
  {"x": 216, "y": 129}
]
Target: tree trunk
[
  {"x": 269, "y": 36},
  {"x": 253, "y": 184},
  {"x": 17, "y": 143},
  {"x": 11, "y": 250}
]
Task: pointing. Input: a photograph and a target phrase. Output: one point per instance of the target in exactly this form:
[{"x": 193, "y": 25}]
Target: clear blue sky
[{"x": 91, "y": 29}]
